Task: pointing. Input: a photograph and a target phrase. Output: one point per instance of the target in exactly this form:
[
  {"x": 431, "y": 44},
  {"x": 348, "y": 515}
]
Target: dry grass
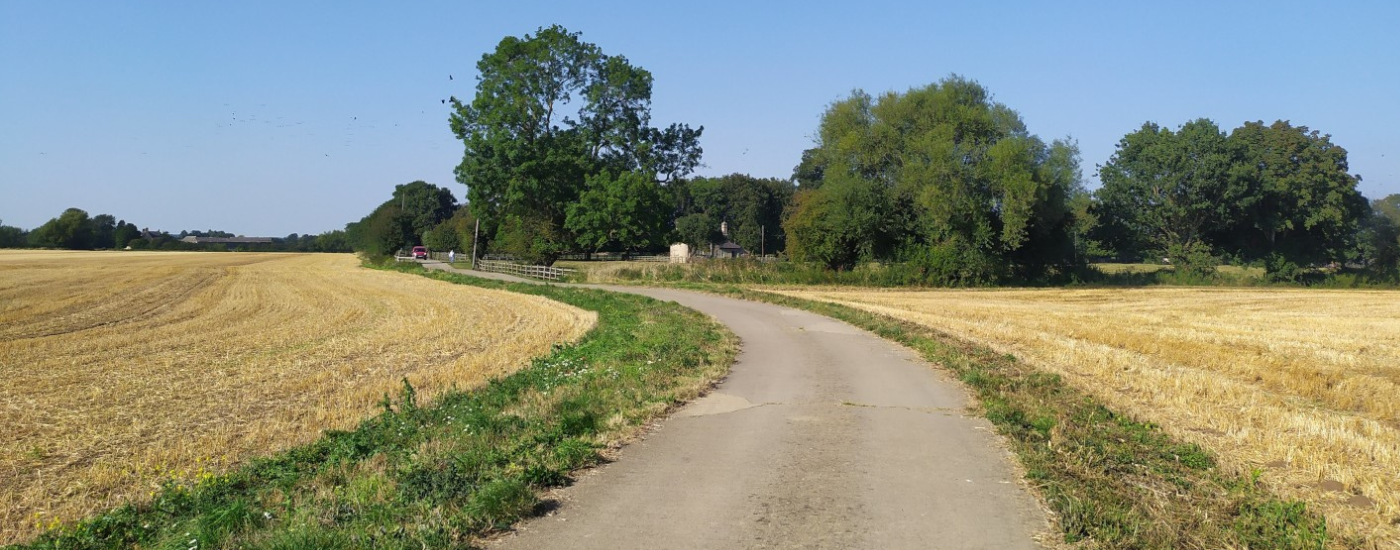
[
  {"x": 1113, "y": 269},
  {"x": 1300, "y": 386},
  {"x": 610, "y": 271},
  {"x": 123, "y": 370}
]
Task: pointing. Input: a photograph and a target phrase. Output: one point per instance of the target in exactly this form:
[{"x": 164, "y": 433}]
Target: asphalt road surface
[{"x": 822, "y": 436}]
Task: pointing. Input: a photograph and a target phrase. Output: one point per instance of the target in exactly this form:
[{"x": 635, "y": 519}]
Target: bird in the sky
[
  {"x": 449, "y": 77},
  {"x": 444, "y": 102}
]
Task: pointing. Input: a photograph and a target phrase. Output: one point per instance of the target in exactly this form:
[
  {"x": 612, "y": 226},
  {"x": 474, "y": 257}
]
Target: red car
[{"x": 420, "y": 252}]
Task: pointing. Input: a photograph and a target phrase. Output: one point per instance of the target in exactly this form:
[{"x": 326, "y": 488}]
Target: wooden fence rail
[{"x": 521, "y": 270}]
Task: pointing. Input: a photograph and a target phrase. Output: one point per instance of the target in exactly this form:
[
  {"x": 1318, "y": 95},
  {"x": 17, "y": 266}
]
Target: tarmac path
[{"x": 822, "y": 436}]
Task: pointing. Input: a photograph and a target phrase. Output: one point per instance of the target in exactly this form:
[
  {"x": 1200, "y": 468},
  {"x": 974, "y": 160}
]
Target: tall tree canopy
[
  {"x": 1275, "y": 192},
  {"x": 401, "y": 222},
  {"x": 550, "y": 112},
  {"x": 1302, "y": 203},
  {"x": 1166, "y": 190},
  {"x": 937, "y": 165},
  {"x": 624, "y": 212},
  {"x": 72, "y": 229}
]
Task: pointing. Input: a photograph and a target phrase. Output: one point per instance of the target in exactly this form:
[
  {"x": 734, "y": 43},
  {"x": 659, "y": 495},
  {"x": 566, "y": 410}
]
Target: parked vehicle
[{"x": 420, "y": 252}]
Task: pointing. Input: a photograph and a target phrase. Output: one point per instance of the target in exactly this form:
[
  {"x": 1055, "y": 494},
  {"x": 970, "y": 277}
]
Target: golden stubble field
[
  {"x": 125, "y": 369},
  {"x": 1300, "y": 386}
]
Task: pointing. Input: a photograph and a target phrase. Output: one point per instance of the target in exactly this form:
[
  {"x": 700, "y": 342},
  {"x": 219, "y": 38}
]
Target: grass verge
[
  {"x": 441, "y": 474},
  {"x": 1111, "y": 481}
]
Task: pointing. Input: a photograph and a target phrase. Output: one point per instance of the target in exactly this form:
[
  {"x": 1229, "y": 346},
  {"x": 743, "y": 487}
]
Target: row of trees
[
  {"x": 560, "y": 157},
  {"x": 1277, "y": 194},
  {"x": 946, "y": 179},
  {"x": 74, "y": 229},
  {"x": 942, "y": 177}
]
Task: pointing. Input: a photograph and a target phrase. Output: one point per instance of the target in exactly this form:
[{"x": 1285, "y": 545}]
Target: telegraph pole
[
  {"x": 762, "y": 242},
  {"x": 476, "y": 233}
]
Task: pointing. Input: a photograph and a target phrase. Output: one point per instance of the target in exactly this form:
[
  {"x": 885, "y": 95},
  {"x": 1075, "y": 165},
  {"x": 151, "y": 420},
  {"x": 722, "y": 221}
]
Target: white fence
[{"x": 521, "y": 270}]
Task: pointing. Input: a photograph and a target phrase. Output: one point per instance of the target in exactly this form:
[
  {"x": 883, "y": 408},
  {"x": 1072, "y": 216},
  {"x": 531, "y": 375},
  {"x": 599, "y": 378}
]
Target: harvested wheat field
[
  {"x": 1301, "y": 385},
  {"x": 125, "y": 369}
]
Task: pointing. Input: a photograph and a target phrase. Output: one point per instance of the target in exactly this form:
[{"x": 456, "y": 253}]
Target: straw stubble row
[{"x": 124, "y": 370}]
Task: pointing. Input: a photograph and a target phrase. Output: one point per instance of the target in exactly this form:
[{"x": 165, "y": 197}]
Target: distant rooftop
[{"x": 227, "y": 240}]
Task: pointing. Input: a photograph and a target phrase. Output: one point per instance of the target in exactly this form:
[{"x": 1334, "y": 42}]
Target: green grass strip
[{"x": 442, "y": 474}]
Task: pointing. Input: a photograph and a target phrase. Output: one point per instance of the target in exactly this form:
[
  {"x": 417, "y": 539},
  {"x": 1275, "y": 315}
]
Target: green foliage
[
  {"x": 954, "y": 263},
  {"x": 839, "y": 225},
  {"x": 1301, "y": 203},
  {"x": 752, "y": 207},
  {"x": 12, "y": 237},
  {"x": 1378, "y": 240},
  {"x": 124, "y": 233},
  {"x": 1283, "y": 525},
  {"x": 939, "y": 166},
  {"x": 424, "y": 205},
  {"x": 625, "y": 212},
  {"x": 810, "y": 173},
  {"x": 1193, "y": 259},
  {"x": 72, "y": 229},
  {"x": 104, "y": 228},
  {"x": 402, "y": 221},
  {"x": 454, "y": 233},
  {"x": 699, "y": 230},
  {"x": 1279, "y": 269},
  {"x": 551, "y": 111},
  {"x": 442, "y": 237},
  {"x": 532, "y": 239},
  {"x": 1170, "y": 189},
  {"x": 1262, "y": 192}
]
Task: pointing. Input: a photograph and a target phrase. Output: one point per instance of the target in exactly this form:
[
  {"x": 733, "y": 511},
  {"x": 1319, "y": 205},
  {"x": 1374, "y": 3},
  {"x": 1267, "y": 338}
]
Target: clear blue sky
[{"x": 267, "y": 118}]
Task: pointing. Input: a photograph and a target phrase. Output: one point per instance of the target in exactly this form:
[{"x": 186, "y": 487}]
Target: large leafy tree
[
  {"x": 952, "y": 166},
  {"x": 838, "y": 225},
  {"x": 104, "y": 228},
  {"x": 401, "y": 222},
  {"x": 626, "y": 212},
  {"x": 124, "y": 233},
  {"x": 72, "y": 229},
  {"x": 424, "y": 204},
  {"x": 1301, "y": 203},
  {"x": 550, "y": 111},
  {"x": 1167, "y": 190}
]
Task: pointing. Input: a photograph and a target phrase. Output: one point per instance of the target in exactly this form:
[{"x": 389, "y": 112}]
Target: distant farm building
[
  {"x": 233, "y": 241},
  {"x": 732, "y": 249}
]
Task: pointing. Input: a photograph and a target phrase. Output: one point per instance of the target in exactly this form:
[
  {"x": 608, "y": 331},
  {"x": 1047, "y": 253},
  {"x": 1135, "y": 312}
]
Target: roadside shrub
[
  {"x": 1278, "y": 269},
  {"x": 954, "y": 263},
  {"x": 1194, "y": 260}
]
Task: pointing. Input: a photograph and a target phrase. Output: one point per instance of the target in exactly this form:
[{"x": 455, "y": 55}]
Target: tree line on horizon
[
  {"x": 560, "y": 157},
  {"x": 74, "y": 229}
]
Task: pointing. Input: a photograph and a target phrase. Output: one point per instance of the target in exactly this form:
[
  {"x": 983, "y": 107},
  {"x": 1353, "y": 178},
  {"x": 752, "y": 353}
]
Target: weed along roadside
[
  {"x": 442, "y": 473},
  {"x": 1111, "y": 481}
]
